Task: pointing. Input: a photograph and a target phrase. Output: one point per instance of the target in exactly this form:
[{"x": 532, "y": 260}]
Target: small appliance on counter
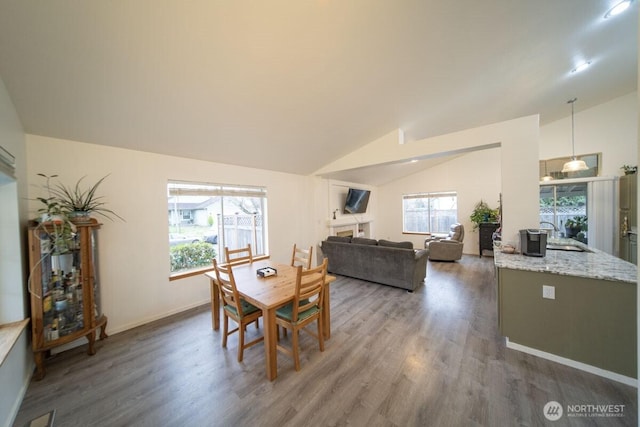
[{"x": 533, "y": 242}]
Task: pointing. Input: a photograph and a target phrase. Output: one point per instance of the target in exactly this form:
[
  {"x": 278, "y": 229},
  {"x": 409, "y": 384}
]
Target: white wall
[
  {"x": 518, "y": 166},
  {"x": 610, "y": 128},
  {"x": 16, "y": 371},
  {"x": 134, "y": 255},
  {"x": 473, "y": 176}
]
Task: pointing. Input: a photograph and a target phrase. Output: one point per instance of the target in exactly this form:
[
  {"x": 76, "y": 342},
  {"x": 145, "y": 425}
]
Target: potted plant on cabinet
[
  {"x": 53, "y": 220},
  {"x": 483, "y": 213},
  {"x": 80, "y": 202},
  {"x": 629, "y": 170}
]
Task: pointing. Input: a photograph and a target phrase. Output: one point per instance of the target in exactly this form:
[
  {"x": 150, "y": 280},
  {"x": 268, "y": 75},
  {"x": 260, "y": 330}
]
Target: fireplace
[{"x": 346, "y": 233}]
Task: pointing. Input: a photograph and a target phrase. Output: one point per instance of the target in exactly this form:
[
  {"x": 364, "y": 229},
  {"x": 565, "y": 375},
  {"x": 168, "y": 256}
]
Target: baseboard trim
[
  {"x": 82, "y": 340},
  {"x": 157, "y": 317},
  {"x": 574, "y": 364}
]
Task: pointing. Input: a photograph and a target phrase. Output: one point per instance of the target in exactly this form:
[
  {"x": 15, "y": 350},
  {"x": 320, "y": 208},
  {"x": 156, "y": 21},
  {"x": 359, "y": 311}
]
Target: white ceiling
[{"x": 293, "y": 85}]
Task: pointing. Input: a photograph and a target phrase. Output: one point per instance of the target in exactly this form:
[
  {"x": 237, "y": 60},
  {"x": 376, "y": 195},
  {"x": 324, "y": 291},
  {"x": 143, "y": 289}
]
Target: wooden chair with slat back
[
  {"x": 238, "y": 256},
  {"x": 305, "y": 308},
  {"x": 301, "y": 257},
  {"x": 239, "y": 310}
]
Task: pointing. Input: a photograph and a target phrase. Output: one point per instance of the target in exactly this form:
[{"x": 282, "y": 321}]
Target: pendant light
[{"x": 574, "y": 165}]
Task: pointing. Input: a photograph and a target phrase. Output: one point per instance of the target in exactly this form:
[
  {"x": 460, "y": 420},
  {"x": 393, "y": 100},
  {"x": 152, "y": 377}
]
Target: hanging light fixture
[
  {"x": 574, "y": 165},
  {"x": 618, "y": 9}
]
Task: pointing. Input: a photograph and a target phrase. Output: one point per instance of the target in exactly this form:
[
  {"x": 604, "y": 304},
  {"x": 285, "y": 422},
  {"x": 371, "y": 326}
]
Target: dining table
[{"x": 268, "y": 294}]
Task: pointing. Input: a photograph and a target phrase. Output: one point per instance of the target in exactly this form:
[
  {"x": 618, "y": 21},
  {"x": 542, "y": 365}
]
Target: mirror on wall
[{"x": 551, "y": 169}]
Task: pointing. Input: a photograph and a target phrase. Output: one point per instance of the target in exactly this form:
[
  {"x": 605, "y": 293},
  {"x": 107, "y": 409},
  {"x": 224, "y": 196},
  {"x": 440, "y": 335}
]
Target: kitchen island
[{"x": 577, "y": 307}]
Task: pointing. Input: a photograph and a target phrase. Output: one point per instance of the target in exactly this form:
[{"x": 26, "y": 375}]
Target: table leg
[
  {"x": 326, "y": 312},
  {"x": 270, "y": 342},
  {"x": 215, "y": 305}
]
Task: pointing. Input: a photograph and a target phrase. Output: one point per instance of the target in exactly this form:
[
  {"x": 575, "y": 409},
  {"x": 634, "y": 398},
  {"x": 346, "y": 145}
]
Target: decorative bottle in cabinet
[{"x": 64, "y": 286}]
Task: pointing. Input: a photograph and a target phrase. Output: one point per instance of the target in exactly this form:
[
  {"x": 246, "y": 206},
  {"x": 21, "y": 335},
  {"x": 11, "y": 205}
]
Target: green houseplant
[
  {"x": 79, "y": 202},
  {"x": 53, "y": 219},
  {"x": 629, "y": 170},
  {"x": 575, "y": 225},
  {"x": 483, "y": 213}
]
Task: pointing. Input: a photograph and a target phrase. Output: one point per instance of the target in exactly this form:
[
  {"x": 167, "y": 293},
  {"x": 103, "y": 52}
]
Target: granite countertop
[{"x": 593, "y": 265}]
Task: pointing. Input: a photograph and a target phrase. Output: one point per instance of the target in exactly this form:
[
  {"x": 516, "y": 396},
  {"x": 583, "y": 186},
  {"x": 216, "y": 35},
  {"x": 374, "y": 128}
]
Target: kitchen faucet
[{"x": 555, "y": 228}]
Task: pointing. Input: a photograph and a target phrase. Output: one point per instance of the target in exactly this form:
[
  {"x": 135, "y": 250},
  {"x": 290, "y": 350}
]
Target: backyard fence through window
[{"x": 429, "y": 212}]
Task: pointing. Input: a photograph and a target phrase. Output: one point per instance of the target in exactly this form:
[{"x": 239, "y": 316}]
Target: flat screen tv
[{"x": 357, "y": 201}]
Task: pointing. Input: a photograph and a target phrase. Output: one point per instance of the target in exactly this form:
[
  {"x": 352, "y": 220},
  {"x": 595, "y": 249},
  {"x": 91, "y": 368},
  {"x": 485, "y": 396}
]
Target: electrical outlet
[{"x": 548, "y": 292}]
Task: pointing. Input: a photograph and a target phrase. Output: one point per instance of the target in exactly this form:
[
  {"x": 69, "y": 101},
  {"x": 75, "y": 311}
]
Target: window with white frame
[
  {"x": 204, "y": 218},
  {"x": 429, "y": 212}
]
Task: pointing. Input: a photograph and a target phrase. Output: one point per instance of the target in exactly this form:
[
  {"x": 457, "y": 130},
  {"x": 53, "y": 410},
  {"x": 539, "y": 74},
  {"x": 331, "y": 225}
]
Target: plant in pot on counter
[
  {"x": 80, "y": 202},
  {"x": 483, "y": 213}
]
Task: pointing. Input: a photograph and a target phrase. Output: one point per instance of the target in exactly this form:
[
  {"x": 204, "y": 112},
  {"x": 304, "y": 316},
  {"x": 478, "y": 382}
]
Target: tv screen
[{"x": 357, "y": 201}]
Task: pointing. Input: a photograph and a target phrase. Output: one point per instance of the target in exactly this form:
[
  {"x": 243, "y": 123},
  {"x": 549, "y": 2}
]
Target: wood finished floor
[{"x": 428, "y": 358}]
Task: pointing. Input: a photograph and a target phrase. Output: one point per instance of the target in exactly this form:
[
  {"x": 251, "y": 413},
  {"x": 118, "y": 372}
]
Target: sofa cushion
[
  {"x": 341, "y": 239},
  {"x": 401, "y": 245},
  {"x": 364, "y": 241}
]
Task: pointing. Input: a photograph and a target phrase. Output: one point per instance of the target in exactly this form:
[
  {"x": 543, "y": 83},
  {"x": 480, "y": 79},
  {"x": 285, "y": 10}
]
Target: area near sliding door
[{"x": 583, "y": 209}]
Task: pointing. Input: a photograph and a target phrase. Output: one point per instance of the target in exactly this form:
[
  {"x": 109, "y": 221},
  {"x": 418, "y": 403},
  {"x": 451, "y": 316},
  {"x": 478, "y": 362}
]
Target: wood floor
[{"x": 428, "y": 358}]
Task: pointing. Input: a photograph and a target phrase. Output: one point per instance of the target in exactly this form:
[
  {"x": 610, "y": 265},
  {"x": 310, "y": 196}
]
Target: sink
[{"x": 557, "y": 247}]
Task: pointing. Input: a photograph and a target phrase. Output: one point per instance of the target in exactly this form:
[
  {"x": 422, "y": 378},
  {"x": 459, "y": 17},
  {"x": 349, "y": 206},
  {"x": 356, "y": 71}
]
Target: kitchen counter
[
  {"x": 595, "y": 264},
  {"x": 576, "y": 308}
]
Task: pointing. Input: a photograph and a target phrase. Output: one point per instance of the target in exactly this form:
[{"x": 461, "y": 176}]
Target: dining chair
[
  {"x": 301, "y": 257},
  {"x": 240, "y": 255},
  {"x": 239, "y": 310},
  {"x": 305, "y": 308}
]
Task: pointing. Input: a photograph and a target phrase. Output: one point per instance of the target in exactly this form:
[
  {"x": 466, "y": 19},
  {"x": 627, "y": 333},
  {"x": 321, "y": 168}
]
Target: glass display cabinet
[{"x": 64, "y": 286}]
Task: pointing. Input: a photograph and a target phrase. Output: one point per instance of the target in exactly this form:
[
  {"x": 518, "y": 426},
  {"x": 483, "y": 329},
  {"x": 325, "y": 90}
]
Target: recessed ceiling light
[
  {"x": 618, "y": 9},
  {"x": 581, "y": 67}
]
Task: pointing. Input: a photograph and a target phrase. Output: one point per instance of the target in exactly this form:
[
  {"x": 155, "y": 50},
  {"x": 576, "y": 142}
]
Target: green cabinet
[{"x": 590, "y": 321}]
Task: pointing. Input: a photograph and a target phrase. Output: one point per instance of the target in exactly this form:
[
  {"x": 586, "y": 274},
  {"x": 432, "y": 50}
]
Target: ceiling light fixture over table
[{"x": 574, "y": 165}]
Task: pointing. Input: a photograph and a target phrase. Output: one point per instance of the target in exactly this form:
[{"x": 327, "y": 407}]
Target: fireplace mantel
[
  {"x": 349, "y": 220},
  {"x": 361, "y": 228}
]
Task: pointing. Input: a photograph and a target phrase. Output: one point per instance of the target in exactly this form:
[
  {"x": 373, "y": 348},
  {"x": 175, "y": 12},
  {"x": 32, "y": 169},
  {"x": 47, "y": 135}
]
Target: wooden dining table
[{"x": 268, "y": 294}]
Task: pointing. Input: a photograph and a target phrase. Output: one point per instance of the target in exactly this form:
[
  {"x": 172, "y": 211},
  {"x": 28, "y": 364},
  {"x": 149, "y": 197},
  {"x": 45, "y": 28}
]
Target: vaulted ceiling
[{"x": 293, "y": 85}]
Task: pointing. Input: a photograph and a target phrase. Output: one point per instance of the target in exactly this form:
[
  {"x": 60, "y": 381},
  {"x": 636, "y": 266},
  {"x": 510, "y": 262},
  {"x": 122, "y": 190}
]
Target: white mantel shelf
[
  {"x": 359, "y": 227},
  {"x": 341, "y": 222}
]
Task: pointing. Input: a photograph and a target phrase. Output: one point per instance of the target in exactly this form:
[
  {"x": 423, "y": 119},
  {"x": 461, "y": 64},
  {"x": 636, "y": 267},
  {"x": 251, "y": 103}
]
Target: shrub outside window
[{"x": 204, "y": 218}]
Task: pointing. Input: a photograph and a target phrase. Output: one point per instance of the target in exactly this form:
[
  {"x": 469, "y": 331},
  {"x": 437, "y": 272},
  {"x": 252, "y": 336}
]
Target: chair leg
[
  {"x": 241, "y": 342},
  {"x": 320, "y": 334},
  {"x": 225, "y": 331},
  {"x": 294, "y": 342}
]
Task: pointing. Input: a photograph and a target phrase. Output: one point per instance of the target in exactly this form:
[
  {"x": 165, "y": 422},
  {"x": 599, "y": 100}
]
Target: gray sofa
[{"x": 390, "y": 263}]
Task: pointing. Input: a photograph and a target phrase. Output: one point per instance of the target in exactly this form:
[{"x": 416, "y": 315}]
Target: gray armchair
[{"x": 449, "y": 248}]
